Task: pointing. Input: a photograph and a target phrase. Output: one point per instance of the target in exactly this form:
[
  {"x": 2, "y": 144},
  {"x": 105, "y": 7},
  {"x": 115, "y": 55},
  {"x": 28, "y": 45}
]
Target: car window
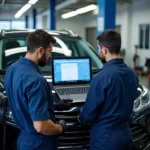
[
  {"x": 14, "y": 43},
  {"x": 79, "y": 48},
  {"x": 22, "y": 42},
  {"x": 13, "y": 48}
]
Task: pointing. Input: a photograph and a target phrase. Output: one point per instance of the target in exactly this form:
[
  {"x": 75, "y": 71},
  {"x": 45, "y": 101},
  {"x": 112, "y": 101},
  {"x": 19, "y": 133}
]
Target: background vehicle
[{"x": 13, "y": 45}]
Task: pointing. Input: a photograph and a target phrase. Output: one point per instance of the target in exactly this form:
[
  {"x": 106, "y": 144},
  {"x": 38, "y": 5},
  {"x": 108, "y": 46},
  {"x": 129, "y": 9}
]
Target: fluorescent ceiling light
[
  {"x": 32, "y": 2},
  {"x": 70, "y": 14},
  {"x": 22, "y": 10},
  {"x": 79, "y": 11},
  {"x": 86, "y": 9},
  {"x": 25, "y": 8}
]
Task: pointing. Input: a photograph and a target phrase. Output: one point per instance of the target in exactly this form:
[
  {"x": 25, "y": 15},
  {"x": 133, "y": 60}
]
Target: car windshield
[{"x": 65, "y": 46}]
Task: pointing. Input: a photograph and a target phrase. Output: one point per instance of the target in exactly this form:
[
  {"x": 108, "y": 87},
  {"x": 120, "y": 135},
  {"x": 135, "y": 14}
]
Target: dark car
[{"x": 13, "y": 45}]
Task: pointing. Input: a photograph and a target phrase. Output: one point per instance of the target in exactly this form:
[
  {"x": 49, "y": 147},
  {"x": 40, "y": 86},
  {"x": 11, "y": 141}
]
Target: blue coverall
[
  {"x": 109, "y": 105},
  {"x": 30, "y": 100}
]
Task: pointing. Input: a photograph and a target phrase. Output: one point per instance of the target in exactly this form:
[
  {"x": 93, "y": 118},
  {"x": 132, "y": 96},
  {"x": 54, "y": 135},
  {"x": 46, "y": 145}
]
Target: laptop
[{"x": 71, "y": 77}]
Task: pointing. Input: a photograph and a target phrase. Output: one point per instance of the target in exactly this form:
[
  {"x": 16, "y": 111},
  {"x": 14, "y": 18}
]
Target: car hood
[{"x": 49, "y": 80}]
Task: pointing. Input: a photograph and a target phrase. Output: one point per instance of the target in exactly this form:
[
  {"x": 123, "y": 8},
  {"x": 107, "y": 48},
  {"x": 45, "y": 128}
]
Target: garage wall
[
  {"x": 76, "y": 24},
  {"x": 141, "y": 15},
  {"x": 30, "y": 22},
  {"x": 123, "y": 18},
  {"x": 128, "y": 16},
  {"x": 41, "y": 20}
]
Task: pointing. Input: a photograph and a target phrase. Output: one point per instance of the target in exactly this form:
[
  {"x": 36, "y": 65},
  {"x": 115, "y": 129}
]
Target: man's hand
[
  {"x": 63, "y": 124},
  {"x": 48, "y": 127}
]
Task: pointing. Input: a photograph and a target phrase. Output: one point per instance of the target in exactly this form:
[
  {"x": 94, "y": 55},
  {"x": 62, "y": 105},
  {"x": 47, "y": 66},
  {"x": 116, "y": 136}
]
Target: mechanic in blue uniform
[
  {"x": 30, "y": 97},
  {"x": 110, "y": 99}
]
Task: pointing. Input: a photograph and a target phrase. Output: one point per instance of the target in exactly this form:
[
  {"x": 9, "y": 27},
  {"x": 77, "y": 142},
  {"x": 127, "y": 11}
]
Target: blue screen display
[{"x": 71, "y": 70}]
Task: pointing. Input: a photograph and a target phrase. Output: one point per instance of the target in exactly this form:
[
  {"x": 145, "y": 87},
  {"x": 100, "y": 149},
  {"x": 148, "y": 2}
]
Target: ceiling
[{"x": 8, "y": 8}]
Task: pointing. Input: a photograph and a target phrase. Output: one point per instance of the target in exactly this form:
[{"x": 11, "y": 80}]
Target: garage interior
[{"x": 87, "y": 19}]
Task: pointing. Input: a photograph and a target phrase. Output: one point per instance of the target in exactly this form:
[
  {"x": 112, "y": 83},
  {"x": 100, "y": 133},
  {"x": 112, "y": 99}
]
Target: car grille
[
  {"x": 77, "y": 136},
  {"x": 141, "y": 139}
]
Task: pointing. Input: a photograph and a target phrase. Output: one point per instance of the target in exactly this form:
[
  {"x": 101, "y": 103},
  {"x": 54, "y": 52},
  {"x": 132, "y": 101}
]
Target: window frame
[{"x": 143, "y": 38}]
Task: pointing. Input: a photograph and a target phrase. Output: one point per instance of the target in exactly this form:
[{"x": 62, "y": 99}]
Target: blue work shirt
[
  {"x": 29, "y": 96},
  {"x": 111, "y": 96}
]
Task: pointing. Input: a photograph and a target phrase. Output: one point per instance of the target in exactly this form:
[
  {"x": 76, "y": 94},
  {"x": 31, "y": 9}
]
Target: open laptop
[{"x": 71, "y": 77}]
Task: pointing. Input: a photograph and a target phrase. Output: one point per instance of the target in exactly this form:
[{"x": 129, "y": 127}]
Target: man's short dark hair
[
  {"x": 38, "y": 38},
  {"x": 110, "y": 39}
]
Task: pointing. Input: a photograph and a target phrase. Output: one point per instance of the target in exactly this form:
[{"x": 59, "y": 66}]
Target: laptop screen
[{"x": 71, "y": 70}]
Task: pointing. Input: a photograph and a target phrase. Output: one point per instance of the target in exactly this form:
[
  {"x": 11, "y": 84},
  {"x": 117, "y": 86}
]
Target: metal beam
[
  {"x": 106, "y": 17},
  {"x": 3, "y": 2},
  {"x": 26, "y": 22},
  {"x": 34, "y": 13},
  {"x": 52, "y": 14}
]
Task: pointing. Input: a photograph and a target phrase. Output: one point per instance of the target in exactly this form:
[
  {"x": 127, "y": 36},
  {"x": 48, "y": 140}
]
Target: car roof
[{"x": 24, "y": 33}]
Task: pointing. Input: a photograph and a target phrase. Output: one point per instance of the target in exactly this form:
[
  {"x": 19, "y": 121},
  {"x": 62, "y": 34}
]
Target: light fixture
[
  {"x": 70, "y": 14},
  {"x": 22, "y": 10},
  {"x": 86, "y": 9},
  {"x": 79, "y": 11},
  {"x": 32, "y": 2},
  {"x": 25, "y": 8}
]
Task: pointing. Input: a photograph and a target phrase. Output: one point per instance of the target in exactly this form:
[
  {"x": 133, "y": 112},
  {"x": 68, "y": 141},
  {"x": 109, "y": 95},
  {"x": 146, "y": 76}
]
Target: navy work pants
[
  {"x": 28, "y": 141},
  {"x": 112, "y": 140}
]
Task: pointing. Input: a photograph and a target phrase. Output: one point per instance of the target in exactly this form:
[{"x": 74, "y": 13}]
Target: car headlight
[{"x": 142, "y": 102}]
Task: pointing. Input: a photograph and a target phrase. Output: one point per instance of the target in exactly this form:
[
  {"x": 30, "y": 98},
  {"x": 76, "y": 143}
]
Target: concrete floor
[{"x": 144, "y": 80}]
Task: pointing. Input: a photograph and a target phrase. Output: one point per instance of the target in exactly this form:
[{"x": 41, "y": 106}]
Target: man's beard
[
  {"x": 103, "y": 59},
  {"x": 43, "y": 61}
]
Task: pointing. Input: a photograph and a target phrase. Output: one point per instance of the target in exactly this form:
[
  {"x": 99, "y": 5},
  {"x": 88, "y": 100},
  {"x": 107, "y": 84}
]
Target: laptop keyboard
[{"x": 68, "y": 91}]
